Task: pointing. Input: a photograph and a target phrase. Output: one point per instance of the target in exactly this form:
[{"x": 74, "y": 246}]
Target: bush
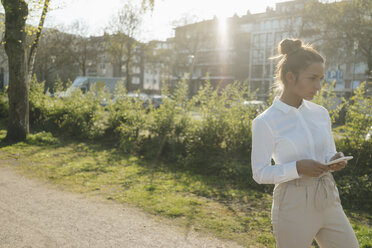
[
  {"x": 219, "y": 142},
  {"x": 4, "y": 106},
  {"x": 168, "y": 127},
  {"x": 126, "y": 121},
  {"x": 42, "y": 138},
  {"x": 354, "y": 181},
  {"x": 78, "y": 115},
  {"x": 208, "y": 134}
]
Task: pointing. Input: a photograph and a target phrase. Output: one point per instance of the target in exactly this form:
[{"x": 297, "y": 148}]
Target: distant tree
[
  {"x": 54, "y": 58},
  {"x": 84, "y": 49},
  {"x": 21, "y": 57},
  {"x": 342, "y": 27},
  {"x": 121, "y": 42},
  {"x": 190, "y": 39}
]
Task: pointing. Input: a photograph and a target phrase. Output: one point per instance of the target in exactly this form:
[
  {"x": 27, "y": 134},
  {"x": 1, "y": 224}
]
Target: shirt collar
[{"x": 285, "y": 107}]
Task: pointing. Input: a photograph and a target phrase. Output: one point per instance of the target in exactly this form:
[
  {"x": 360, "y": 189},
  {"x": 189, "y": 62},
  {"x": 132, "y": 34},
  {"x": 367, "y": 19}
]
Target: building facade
[{"x": 244, "y": 49}]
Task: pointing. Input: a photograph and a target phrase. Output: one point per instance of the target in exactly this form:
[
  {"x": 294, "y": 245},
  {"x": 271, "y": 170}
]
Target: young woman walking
[{"x": 296, "y": 133}]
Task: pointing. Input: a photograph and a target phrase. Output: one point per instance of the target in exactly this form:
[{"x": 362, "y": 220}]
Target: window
[
  {"x": 278, "y": 37},
  {"x": 267, "y": 25},
  {"x": 246, "y": 27},
  {"x": 256, "y": 41},
  {"x": 275, "y": 24},
  {"x": 267, "y": 71},
  {"x": 257, "y": 56},
  {"x": 270, "y": 40},
  {"x": 135, "y": 80},
  {"x": 283, "y": 23},
  {"x": 256, "y": 71},
  {"x": 262, "y": 40}
]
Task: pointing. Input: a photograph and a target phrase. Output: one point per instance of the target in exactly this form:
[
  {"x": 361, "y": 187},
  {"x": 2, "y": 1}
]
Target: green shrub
[
  {"x": 42, "y": 138},
  {"x": 126, "y": 121},
  {"x": 354, "y": 181},
  {"x": 168, "y": 126},
  {"x": 207, "y": 134},
  {"x": 4, "y": 106},
  {"x": 220, "y": 140},
  {"x": 78, "y": 115}
]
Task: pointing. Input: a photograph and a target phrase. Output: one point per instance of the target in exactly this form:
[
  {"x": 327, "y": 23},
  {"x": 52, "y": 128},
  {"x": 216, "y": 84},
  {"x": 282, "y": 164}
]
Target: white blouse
[{"x": 287, "y": 134}]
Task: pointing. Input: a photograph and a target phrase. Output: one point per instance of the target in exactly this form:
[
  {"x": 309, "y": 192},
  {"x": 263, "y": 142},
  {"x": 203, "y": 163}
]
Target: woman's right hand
[{"x": 311, "y": 168}]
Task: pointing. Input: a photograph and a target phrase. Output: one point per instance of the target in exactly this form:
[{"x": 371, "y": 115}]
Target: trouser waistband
[
  {"x": 307, "y": 181},
  {"x": 325, "y": 186}
]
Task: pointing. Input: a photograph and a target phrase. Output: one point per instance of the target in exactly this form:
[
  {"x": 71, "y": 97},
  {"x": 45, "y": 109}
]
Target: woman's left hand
[{"x": 340, "y": 165}]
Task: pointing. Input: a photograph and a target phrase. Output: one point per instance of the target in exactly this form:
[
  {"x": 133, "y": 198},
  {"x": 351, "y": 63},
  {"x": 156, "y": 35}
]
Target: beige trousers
[{"x": 308, "y": 208}]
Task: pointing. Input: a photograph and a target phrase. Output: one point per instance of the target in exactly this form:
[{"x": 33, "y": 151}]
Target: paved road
[{"x": 35, "y": 214}]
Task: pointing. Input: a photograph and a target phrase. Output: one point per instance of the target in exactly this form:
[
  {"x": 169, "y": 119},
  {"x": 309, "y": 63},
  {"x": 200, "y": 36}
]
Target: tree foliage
[
  {"x": 55, "y": 57},
  {"x": 120, "y": 39},
  {"x": 343, "y": 27}
]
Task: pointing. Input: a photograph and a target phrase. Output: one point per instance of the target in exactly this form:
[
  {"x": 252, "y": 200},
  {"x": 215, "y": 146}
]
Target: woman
[{"x": 296, "y": 133}]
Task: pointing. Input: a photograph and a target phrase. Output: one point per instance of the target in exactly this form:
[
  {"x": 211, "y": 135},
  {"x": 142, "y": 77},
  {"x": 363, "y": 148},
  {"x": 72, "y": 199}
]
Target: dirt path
[{"x": 35, "y": 214}]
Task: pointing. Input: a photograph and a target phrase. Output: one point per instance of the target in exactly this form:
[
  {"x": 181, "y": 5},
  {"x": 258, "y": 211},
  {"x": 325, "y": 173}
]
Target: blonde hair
[{"x": 294, "y": 56}]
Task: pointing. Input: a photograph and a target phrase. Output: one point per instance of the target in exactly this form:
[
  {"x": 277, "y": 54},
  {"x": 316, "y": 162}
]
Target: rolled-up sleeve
[{"x": 262, "y": 150}]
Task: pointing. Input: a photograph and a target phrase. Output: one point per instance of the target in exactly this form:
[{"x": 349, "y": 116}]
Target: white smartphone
[{"x": 339, "y": 160}]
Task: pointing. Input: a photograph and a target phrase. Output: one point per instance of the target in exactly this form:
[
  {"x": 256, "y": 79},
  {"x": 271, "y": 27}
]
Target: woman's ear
[{"x": 290, "y": 78}]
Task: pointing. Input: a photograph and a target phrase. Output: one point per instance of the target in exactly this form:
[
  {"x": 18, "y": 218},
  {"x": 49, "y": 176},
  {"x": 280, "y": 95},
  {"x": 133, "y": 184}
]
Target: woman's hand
[
  {"x": 311, "y": 168},
  {"x": 339, "y": 165}
]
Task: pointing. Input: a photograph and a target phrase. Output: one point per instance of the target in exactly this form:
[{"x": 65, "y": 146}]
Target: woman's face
[{"x": 308, "y": 81}]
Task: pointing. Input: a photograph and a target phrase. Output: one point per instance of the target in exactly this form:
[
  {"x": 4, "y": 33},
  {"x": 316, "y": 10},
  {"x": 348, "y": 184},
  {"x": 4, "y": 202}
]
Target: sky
[{"x": 157, "y": 25}]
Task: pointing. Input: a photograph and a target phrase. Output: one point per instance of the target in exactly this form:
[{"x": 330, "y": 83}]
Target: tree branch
[{"x": 32, "y": 54}]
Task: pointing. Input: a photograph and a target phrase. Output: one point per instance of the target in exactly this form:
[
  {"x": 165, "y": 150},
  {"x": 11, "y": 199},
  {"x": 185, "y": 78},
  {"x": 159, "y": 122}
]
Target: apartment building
[
  {"x": 242, "y": 48},
  {"x": 213, "y": 49},
  {"x": 267, "y": 30},
  {"x": 157, "y": 65}
]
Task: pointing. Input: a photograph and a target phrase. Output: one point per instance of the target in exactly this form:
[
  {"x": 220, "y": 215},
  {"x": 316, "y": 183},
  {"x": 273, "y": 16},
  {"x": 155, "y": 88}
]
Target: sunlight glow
[
  {"x": 157, "y": 24},
  {"x": 222, "y": 26},
  {"x": 223, "y": 32}
]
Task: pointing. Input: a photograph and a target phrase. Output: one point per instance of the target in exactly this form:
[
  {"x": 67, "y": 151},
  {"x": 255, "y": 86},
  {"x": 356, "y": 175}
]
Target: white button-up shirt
[{"x": 287, "y": 134}]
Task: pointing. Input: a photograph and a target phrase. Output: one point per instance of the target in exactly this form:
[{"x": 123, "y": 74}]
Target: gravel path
[{"x": 35, "y": 214}]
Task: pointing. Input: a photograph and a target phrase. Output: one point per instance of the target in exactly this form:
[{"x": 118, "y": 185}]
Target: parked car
[
  {"x": 143, "y": 97},
  {"x": 157, "y": 100}
]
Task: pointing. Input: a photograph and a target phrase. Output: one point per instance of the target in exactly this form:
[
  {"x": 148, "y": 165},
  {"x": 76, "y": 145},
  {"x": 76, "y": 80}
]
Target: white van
[{"x": 85, "y": 84}]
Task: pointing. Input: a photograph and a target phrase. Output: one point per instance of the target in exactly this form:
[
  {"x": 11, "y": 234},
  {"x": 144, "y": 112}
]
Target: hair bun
[{"x": 288, "y": 46}]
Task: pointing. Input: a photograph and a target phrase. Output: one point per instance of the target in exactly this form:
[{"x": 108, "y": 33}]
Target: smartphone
[{"x": 339, "y": 160}]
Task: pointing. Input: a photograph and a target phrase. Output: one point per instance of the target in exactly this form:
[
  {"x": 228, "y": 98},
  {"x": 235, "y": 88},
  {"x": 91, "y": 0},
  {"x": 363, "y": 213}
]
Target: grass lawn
[{"x": 202, "y": 203}]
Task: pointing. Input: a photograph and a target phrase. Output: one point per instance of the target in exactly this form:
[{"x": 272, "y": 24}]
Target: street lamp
[{"x": 356, "y": 44}]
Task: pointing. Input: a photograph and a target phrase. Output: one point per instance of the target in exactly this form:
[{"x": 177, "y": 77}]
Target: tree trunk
[
  {"x": 16, "y": 12},
  {"x": 128, "y": 76},
  {"x": 84, "y": 69},
  {"x": 18, "y": 125}
]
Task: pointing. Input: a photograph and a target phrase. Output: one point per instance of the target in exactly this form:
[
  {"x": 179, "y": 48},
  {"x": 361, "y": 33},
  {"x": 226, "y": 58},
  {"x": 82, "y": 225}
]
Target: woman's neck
[{"x": 290, "y": 99}]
